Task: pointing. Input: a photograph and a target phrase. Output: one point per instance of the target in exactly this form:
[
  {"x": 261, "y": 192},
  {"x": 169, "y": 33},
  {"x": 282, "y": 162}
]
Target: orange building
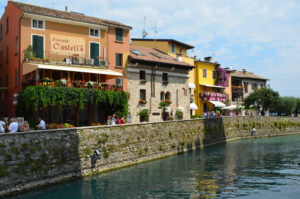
[{"x": 38, "y": 43}]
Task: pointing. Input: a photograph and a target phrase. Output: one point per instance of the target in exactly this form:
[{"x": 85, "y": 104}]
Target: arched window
[
  {"x": 184, "y": 91},
  {"x": 168, "y": 96},
  {"x": 162, "y": 96}
]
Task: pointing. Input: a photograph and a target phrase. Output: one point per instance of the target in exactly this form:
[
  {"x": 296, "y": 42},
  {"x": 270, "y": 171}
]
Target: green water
[{"x": 257, "y": 168}]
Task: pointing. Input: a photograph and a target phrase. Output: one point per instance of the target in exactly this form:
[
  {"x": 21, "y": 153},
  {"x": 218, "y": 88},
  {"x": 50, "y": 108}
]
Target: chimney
[
  {"x": 207, "y": 59},
  {"x": 244, "y": 71},
  {"x": 179, "y": 57},
  {"x": 66, "y": 8}
]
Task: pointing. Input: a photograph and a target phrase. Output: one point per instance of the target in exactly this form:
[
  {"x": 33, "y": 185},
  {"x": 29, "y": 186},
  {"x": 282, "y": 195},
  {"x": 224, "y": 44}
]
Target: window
[
  {"x": 158, "y": 55},
  {"x": 0, "y": 31},
  {"x": 168, "y": 96},
  {"x": 204, "y": 73},
  {"x": 143, "y": 94},
  {"x": 246, "y": 87},
  {"x": 119, "y": 34},
  {"x": 7, "y": 24},
  {"x": 119, "y": 59},
  {"x": 165, "y": 77},
  {"x": 254, "y": 86},
  {"x": 39, "y": 24},
  {"x": 38, "y": 46},
  {"x": 184, "y": 91},
  {"x": 16, "y": 77},
  {"x": 137, "y": 52},
  {"x": 214, "y": 74},
  {"x": 173, "y": 48},
  {"x": 142, "y": 75},
  {"x": 6, "y": 54},
  {"x": 262, "y": 86},
  {"x": 162, "y": 96},
  {"x": 94, "y": 32},
  {"x": 119, "y": 81}
]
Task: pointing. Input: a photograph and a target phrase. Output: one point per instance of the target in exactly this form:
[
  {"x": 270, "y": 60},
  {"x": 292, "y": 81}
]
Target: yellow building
[
  {"x": 175, "y": 49},
  {"x": 208, "y": 96}
]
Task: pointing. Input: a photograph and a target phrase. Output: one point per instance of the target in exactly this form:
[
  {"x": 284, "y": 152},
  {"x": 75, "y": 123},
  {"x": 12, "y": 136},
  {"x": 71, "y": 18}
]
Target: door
[
  {"x": 94, "y": 53},
  {"x": 38, "y": 46}
]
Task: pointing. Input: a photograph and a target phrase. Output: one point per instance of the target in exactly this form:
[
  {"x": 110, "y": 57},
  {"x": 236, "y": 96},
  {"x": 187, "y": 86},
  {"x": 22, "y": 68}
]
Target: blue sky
[{"x": 262, "y": 36}]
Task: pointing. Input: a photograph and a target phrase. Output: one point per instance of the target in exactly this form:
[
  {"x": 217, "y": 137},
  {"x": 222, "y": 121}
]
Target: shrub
[
  {"x": 144, "y": 115},
  {"x": 179, "y": 114}
]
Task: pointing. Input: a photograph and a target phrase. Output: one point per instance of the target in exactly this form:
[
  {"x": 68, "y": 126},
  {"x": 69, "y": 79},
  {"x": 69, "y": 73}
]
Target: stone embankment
[{"x": 38, "y": 158}]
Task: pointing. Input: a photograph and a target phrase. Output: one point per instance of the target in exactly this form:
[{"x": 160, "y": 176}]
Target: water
[{"x": 257, "y": 168}]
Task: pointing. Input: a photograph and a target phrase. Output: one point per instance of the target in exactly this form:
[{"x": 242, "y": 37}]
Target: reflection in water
[{"x": 258, "y": 168}]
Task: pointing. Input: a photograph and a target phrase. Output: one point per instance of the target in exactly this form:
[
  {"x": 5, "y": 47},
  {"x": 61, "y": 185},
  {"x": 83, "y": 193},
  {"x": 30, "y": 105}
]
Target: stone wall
[{"x": 41, "y": 157}]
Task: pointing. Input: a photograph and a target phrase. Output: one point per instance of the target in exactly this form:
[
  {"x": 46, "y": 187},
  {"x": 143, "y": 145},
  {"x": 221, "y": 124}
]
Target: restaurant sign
[{"x": 63, "y": 44}]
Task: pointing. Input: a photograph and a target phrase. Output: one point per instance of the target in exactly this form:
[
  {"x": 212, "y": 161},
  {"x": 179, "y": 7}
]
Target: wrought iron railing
[{"x": 54, "y": 58}]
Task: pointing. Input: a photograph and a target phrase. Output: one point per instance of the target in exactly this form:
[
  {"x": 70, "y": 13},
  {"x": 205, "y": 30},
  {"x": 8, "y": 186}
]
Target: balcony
[
  {"x": 54, "y": 58},
  {"x": 79, "y": 84},
  {"x": 211, "y": 96}
]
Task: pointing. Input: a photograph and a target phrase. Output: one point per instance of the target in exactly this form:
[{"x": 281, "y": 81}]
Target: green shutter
[
  {"x": 119, "y": 34},
  {"x": 117, "y": 59},
  {"x": 94, "y": 50},
  {"x": 38, "y": 46}
]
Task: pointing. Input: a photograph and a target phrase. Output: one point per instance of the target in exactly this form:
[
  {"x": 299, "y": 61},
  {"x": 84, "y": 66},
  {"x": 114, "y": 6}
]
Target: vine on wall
[
  {"x": 222, "y": 77},
  {"x": 42, "y": 96}
]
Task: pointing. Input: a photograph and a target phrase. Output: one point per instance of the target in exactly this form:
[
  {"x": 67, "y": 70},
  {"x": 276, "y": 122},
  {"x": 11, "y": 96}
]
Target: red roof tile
[
  {"x": 153, "y": 55},
  {"x": 246, "y": 75},
  {"x": 32, "y": 9}
]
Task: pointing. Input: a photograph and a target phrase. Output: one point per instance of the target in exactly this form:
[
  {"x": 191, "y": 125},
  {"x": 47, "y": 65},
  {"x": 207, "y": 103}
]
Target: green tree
[
  {"x": 298, "y": 105},
  {"x": 286, "y": 105},
  {"x": 264, "y": 98}
]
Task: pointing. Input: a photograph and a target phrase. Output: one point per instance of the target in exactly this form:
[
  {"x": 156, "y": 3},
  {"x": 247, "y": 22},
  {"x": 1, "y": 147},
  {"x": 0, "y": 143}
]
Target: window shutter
[
  {"x": 38, "y": 46},
  {"x": 119, "y": 34},
  {"x": 117, "y": 59}
]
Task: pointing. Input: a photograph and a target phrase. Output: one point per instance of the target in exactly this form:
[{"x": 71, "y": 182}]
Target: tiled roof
[
  {"x": 246, "y": 75},
  {"x": 153, "y": 55},
  {"x": 168, "y": 40},
  {"x": 32, "y": 9}
]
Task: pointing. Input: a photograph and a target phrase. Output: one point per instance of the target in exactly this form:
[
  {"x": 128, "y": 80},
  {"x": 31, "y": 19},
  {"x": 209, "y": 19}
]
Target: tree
[
  {"x": 298, "y": 106},
  {"x": 286, "y": 105},
  {"x": 264, "y": 98}
]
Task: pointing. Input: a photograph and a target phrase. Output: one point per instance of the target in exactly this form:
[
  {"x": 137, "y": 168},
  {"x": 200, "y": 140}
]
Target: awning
[
  {"x": 180, "y": 108},
  {"x": 231, "y": 107},
  {"x": 192, "y": 85},
  {"x": 218, "y": 104},
  {"x": 28, "y": 68},
  {"x": 212, "y": 86},
  {"x": 193, "y": 106}
]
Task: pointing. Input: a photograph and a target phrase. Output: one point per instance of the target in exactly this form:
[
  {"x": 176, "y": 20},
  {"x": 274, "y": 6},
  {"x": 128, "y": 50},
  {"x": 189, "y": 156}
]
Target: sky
[{"x": 261, "y": 36}]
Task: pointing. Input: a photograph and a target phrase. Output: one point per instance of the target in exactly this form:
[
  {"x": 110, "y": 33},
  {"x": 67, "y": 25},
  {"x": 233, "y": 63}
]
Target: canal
[{"x": 254, "y": 168}]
